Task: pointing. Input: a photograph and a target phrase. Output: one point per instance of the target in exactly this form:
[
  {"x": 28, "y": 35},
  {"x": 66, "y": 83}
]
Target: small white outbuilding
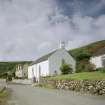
[
  {"x": 98, "y": 58},
  {"x": 49, "y": 65}
]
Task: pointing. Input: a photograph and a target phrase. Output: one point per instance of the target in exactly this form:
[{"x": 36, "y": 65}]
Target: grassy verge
[
  {"x": 80, "y": 76},
  {"x": 3, "y": 96},
  {"x": 44, "y": 85}
]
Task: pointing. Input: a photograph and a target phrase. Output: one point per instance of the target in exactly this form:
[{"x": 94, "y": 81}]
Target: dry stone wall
[{"x": 86, "y": 86}]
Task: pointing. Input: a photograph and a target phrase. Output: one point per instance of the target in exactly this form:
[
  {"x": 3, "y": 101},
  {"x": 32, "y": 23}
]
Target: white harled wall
[
  {"x": 97, "y": 61},
  {"x": 37, "y": 70}
]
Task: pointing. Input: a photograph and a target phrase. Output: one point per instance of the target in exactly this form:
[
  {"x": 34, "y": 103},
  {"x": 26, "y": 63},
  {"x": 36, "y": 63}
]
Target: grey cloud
[{"x": 31, "y": 28}]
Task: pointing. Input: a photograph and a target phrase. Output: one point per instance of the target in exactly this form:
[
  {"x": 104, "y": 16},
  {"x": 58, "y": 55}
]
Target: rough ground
[{"x": 27, "y": 95}]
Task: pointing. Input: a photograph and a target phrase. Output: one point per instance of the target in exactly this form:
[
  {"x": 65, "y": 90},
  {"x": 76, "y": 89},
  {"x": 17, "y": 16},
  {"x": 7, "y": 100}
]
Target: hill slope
[
  {"x": 83, "y": 54},
  {"x": 10, "y": 66},
  {"x": 89, "y": 49}
]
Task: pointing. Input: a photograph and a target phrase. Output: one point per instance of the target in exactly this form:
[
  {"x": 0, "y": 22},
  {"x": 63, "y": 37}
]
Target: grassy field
[
  {"x": 80, "y": 76},
  {"x": 3, "y": 96}
]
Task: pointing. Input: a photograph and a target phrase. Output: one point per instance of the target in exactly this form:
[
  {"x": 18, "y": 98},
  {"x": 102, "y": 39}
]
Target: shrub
[
  {"x": 4, "y": 75},
  {"x": 85, "y": 66},
  {"x": 80, "y": 67},
  {"x": 82, "y": 56},
  {"x": 89, "y": 67},
  {"x": 9, "y": 78},
  {"x": 78, "y": 70},
  {"x": 65, "y": 68},
  {"x": 102, "y": 70}
]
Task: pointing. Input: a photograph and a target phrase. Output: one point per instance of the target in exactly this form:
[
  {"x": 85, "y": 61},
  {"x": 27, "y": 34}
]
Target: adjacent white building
[
  {"x": 22, "y": 70},
  {"x": 98, "y": 58},
  {"x": 49, "y": 65},
  {"x": 19, "y": 71}
]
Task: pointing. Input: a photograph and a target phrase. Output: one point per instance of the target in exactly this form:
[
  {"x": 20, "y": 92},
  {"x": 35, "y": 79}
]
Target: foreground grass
[
  {"x": 45, "y": 85},
  {"x": 3, "y": 96},
  {"x": 80, "y": 76}
]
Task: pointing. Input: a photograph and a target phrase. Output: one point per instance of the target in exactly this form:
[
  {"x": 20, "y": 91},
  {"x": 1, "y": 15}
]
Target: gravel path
[{"x": 27, "y": 95}]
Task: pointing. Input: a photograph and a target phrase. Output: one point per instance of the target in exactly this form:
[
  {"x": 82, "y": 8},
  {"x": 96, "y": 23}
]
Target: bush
[
  {"x": 85, "y": 66},
  {"x": 65, "y": 68},
  {"x": 101, "y": 69},
  {"x": 89, "y": 67},
  {"x": 82, "y": 56},
  {"x": 78, "y": 70},
  {"x": 4, "y": 75},
  {"x": 9, "y": 78},
  {"x": 80, "y": 67}
]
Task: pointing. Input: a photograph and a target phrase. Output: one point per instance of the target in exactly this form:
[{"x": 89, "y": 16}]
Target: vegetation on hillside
[
  {"x": 4, "y": 93},
  {"x": 9, "y": 67},
  {"x": 88, "y": 50},
  {"x": 83, "y": 54}
]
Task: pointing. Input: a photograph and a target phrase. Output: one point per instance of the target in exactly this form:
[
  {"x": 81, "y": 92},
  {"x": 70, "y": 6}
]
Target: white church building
[
  {"x": 98, "y": 58},
  {"x": 49, "y": 65}
]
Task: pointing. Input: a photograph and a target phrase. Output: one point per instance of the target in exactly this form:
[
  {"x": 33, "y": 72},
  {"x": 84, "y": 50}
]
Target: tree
[
  {"x": 82, "y": 56},
  {"x": 65, "y": 68},
  {"x": 85, "y": 66}
]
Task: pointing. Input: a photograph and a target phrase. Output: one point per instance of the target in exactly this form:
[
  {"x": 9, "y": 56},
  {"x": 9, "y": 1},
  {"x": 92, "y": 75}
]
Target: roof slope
[
  {"x": 99, "y": 52},
  {"x": 43, "y": 58}
]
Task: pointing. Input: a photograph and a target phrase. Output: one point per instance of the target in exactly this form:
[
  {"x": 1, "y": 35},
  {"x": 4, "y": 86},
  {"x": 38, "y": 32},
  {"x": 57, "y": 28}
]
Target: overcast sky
[{"x": 31, "y": 28}]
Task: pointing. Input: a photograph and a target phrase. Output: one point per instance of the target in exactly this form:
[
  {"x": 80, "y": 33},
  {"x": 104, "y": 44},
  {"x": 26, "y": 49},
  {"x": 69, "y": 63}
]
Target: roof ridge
[{"x": 43, "y": 58}]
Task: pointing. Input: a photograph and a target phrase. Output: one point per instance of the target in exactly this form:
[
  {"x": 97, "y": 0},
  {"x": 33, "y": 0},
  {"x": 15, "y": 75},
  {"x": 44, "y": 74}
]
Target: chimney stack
[{"x": 62, "y": 44}]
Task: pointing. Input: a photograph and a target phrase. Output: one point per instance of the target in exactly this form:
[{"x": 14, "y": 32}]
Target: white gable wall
[
  {"x": 97, "y": 61},
  {"x": 55, "y": 61},
  {"x": 43, "y": 68},
  {"x": 19, "y": 73},
  {"x": 30, "y": 72},
  {"x": 39, "y": 69}
]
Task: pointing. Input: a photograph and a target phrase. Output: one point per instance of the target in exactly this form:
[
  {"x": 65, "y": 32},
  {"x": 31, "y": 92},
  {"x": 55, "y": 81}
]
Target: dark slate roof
[
  {"x": 43, "y": 58},
  {"x": 99, "y": 52}
]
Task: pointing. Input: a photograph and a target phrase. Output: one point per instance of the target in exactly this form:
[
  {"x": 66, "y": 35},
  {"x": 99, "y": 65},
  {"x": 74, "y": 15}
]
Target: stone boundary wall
[{"x": 85, "y": 86}]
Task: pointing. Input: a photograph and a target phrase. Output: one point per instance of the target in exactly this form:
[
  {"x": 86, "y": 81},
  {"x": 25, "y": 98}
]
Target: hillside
[
  {"x": 83, "y": 54},
  {"x": 89, "y": 49},
  {"x": 10, "y": 66}
]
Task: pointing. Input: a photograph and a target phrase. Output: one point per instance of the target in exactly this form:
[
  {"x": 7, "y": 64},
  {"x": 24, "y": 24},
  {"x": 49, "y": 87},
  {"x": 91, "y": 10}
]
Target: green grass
[
  {"x": 80, "y": 76},
  {"x": 3, "y": 93},
  {"x": 3, "y": 96},
  {"x": 45, "y": 85}
]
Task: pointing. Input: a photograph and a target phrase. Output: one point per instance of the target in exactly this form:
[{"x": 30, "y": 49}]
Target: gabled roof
[
  {"x": 99, "y": 52},
  {"x": 43, "y": 58}
]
